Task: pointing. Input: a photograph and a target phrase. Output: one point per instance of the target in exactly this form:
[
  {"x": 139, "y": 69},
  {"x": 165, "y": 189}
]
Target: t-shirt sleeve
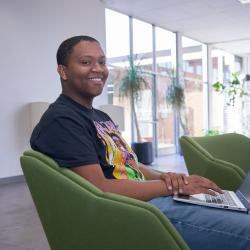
[{"x": 69, "y": 143}]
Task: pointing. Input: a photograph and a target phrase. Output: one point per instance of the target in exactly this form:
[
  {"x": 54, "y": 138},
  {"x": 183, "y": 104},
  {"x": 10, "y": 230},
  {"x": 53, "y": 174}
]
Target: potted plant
[
  {"x": 233, "y": 89},
  {"x": 131, "y": 85},
  {"x": 175, "y": 97}
]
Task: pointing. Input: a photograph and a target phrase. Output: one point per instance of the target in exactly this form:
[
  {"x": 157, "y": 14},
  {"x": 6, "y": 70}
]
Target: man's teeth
[{"x": 95, "y": 78}]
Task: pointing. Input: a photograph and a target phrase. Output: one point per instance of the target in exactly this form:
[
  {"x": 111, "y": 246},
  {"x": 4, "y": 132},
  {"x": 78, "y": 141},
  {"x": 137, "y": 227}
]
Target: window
[
  {"x": 194, "y": 62},
  {"x": 117, "y": 51},
  {"x": 225, "y": 118}
]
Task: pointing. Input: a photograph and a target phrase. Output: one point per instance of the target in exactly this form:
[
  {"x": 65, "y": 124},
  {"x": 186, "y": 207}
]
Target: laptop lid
[{"x": 244, "y": 192}]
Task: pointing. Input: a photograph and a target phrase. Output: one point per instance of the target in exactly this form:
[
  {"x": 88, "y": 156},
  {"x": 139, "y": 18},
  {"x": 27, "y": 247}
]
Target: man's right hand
[{"x": 198, "y": 184}]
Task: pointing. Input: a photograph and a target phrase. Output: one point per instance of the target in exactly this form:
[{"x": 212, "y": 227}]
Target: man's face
[{"x": 86, "y": 71}]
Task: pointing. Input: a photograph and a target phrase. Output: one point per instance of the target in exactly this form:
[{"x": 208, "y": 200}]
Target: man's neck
[{"x": 83, "y": 102}]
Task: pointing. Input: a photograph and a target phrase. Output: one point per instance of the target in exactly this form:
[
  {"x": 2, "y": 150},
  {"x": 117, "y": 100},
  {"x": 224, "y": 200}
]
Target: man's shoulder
[
  {"x": 63, "y": 108},
  {"x": 56, "y": 112},
  {"x": 60, "y": 109},
  {"x": 58, "y": 119}
]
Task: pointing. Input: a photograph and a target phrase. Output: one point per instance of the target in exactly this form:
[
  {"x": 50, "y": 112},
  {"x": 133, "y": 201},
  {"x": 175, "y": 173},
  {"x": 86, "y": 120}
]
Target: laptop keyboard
[{"x": 224, "y": 199}]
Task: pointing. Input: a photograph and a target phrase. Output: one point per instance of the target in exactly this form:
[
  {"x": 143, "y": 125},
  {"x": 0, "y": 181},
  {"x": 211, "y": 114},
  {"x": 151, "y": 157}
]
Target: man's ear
[{"x": 62, "y": 72}]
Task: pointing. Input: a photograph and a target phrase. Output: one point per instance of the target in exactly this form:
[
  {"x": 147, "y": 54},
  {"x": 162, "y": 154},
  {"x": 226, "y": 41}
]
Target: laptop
[{"x": 239, "y": 200}]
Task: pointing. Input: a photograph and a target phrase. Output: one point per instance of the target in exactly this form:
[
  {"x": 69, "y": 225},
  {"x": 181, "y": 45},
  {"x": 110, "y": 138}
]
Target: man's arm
[
  {"x": 141, "y": 190},
  {"x": 180, "y": 183}
]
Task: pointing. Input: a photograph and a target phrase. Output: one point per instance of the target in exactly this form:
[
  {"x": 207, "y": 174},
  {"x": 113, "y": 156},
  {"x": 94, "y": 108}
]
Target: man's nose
[{"x": 98, "y": 67}]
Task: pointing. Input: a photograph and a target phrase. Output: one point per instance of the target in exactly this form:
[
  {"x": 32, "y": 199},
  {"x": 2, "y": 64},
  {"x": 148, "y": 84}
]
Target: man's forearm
[
  {"x": 142, "y": 190},
  {"x": 149, "y": 174}
]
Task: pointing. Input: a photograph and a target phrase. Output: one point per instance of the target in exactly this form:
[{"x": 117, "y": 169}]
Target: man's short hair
[{"x": 67, "y": 46}]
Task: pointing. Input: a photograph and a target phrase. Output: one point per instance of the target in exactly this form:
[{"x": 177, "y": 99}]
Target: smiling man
[
  {"x": 85, "y": 140},
  {"x": 84, "y": 77}
]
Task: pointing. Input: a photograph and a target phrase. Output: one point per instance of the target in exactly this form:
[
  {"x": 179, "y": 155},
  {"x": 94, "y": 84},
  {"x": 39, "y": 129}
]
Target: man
[{"x": 87, "y": 141}]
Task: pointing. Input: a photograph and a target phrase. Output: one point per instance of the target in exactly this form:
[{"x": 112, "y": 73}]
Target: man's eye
[
  {"x": 86, "y": 62},
  {"x": 103, "y": 62}
]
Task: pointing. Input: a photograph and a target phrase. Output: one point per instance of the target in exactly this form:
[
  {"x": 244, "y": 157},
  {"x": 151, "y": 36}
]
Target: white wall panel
[{"x": 30, "y": 33}]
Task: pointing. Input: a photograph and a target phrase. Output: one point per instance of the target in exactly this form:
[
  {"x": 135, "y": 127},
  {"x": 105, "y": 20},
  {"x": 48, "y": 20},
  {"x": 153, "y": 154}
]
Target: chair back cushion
[{"x": 231, "y": 147}]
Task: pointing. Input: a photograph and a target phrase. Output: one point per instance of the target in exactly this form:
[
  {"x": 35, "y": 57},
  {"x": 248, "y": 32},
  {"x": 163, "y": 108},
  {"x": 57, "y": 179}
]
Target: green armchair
[
  {"x": 76, "y": 215},
  {"x": 225, "y": 158}
]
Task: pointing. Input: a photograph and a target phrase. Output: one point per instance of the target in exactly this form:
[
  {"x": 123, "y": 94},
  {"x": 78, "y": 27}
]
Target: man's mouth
[{"x": 96, "y": 79}]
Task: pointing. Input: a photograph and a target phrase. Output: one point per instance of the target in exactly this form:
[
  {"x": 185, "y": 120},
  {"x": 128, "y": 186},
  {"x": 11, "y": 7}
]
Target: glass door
[{"x": 165, "y": 44}]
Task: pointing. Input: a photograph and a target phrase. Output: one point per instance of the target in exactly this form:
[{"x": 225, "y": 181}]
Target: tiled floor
[
  {"x": 171, "y": 163},
  {"x": 20, "y": 228}
]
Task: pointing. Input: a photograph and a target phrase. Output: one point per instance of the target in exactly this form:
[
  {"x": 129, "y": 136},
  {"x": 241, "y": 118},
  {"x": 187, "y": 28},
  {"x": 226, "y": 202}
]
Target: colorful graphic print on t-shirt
[{"x": 118, "y": 152}]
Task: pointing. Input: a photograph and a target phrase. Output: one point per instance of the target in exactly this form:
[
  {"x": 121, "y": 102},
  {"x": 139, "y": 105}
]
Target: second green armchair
[{"x": 225, "y": 158}]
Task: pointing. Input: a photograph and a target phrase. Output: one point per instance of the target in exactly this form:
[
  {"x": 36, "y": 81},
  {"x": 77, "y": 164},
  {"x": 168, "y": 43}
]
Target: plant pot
[{"x": 144, "y": 152}]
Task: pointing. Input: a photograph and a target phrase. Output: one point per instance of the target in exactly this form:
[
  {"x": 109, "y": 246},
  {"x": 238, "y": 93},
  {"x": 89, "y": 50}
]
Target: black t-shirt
[{"x": 74, "y": 136}]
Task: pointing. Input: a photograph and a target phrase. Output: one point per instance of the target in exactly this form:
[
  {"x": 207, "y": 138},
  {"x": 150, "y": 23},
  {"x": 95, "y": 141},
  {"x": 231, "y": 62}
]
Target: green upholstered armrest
[
  {"x": 199, "y": 161},
  {"x": 76, "y": 215}
]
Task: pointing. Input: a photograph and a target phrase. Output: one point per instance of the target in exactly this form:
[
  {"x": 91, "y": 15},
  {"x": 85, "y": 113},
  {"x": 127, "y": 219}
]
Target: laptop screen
[{"x": 245, "y": 187}]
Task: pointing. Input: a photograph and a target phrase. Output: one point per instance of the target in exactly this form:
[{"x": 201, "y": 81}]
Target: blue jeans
[{"x": 207, "y": 228}]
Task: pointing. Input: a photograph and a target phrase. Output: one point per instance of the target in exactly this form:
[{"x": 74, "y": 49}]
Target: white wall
[{"x": 30, "y": 33}]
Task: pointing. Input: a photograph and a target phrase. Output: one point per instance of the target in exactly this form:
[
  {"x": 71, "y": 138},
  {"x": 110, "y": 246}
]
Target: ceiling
[{"x": 223, "y": 23}]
